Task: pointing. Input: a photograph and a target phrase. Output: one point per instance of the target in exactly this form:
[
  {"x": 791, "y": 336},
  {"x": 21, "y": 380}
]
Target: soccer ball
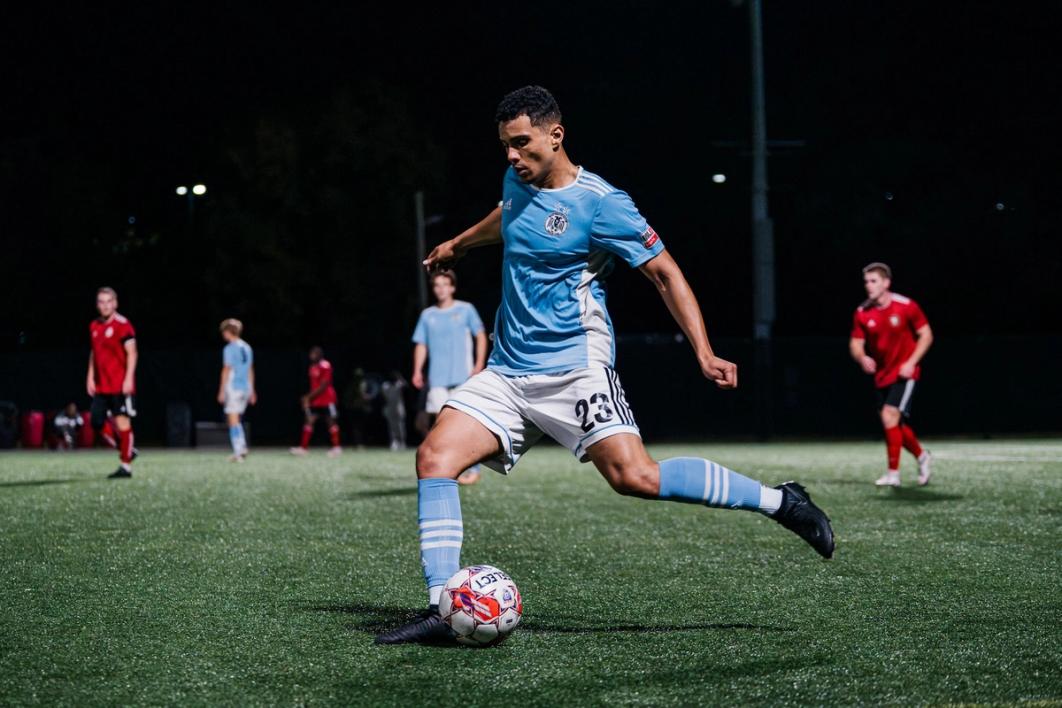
[{"x": 481, "y": 604}]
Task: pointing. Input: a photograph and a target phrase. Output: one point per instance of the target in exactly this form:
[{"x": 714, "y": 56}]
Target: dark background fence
[{"x": 972, "y": 386}]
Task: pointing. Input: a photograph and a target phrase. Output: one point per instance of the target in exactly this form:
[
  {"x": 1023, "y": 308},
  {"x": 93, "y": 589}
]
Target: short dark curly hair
[{"x": 534, "y": 102}]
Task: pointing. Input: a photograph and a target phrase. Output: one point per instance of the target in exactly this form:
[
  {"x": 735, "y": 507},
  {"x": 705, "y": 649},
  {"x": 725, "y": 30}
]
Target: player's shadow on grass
[
  {"x": 379, "y": 618},
  {"x": 40, "y": 482},
  {"x": 912, "y": 495},
  {"x": 369, "y": 618},
  {"x": 376, "y": 493}
]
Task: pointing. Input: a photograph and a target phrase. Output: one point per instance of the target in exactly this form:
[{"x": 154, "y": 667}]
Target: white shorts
[
  {"x": 236, "y": 400},
  {"x": 577, "y": 409},
  {"x": 437, "y": 396}
]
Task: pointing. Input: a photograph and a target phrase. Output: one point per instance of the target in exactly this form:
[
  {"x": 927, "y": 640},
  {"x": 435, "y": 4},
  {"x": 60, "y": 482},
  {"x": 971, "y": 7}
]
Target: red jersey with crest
[
  {"x": 890, "y": 335},
  {"x": 321, "y": 374},
  {"x": 109, "y": 357}
]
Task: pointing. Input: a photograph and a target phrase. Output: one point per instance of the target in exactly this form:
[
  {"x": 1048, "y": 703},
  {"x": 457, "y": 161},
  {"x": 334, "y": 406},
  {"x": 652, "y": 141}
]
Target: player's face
[
  {"x": 875, "y": 284},
  {"x": 530, "y": 149},
  {"x": 106, "y": 304},
  {"x": 443, "y": 289}
]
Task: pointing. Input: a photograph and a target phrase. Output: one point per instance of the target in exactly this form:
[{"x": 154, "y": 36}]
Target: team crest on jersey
[
  {"x": 507, "y": 205},
  {"x": 649, "y": 237},
  {"x": 894, "y": 320},
  {"x": 872, "y": 323},
  {"x": 557, "y": 222},
  {"x": 109, "y": 332}
]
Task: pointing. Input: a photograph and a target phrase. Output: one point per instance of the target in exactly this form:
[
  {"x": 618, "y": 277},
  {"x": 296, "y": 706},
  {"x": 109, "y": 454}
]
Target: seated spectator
[{"x": 67, "y": 424}]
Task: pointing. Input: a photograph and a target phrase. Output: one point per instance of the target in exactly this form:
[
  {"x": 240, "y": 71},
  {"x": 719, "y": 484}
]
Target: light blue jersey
[
  {"x": 448, "y": 335},
  {"x": 559, "y": 246},
  {"x": 239, "y": 357}
]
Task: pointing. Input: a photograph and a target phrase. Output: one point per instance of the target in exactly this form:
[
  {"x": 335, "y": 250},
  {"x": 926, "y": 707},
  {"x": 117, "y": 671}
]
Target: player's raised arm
[
  {"x": 484, "y": 233},
  {"x": 666, "y": 275}
]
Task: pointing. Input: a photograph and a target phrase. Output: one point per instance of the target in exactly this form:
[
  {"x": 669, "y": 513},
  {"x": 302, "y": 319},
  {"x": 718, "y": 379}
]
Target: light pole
[
  {"x": 763, "y": 301},
  {"x": 422, "y": 248}
]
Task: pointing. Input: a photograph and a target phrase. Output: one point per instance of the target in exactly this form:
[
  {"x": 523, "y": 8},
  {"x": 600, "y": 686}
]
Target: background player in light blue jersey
[
  {"x": 551, "y": 371},
  {"x": 444, "y": 336},
  {"x": 236, "y": 388}
]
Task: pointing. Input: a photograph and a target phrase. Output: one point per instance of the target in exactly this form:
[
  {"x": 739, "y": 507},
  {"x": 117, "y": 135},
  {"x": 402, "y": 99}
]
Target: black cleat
[
  {"x": 120, "y": 473},
  {"x": 800, "y": 515},
  {"x": 428, "y": 628}
]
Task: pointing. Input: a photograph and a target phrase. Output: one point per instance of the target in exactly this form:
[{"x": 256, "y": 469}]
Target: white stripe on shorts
[{"x": 908, "y": 389}]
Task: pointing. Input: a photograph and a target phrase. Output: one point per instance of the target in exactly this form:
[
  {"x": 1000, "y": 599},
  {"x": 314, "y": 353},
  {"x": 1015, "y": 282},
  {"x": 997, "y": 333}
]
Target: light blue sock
[
  {"x": 236, "y": 437},
  {"x": 698, "y": 481},
  {"x": 441, "y": 532}
]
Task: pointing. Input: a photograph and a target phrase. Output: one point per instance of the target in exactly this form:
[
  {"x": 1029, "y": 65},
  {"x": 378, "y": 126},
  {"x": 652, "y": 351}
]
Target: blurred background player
[
  {"x": 67, "y": 424},
  {"x": 444, "y": 337},
  {"x": 393, "y": 391},
  {"x": 111, "y": 380},
  {"x": 319, "y": 402},
  {"x": 236, "y": 388},
  {"x": 890, "y": 335}
]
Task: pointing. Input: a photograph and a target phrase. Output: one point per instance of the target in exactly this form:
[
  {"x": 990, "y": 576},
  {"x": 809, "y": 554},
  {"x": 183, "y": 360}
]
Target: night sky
[{"x": 921, "y": 134}]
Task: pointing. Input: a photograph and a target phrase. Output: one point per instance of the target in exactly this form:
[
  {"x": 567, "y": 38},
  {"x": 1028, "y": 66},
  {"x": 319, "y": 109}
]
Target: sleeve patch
[{"x": 649, "y": 237}]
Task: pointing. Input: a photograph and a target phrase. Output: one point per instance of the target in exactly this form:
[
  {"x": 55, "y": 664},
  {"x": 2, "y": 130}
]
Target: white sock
[
  {"x": 434, "y": 593},
  {"x": 770, "y": 500}
]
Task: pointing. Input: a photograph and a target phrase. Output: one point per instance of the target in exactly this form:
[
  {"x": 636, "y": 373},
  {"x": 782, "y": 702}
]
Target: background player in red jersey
[
  {"x": 111, "y": 379},
  {"x": 319, "y": 402},
  {"x": 890, "y": 335}
]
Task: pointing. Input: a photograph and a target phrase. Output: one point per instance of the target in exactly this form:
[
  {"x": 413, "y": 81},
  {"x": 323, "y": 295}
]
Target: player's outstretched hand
[
  {"x": 418, "y": 380},
  {"x": 221, "y": 396},
  {"x": 254, "y": 398},
  {"x": 723, "y": 372},
  {"x": 869, "y": 365},
  {"x": 442, "y": 256},
  {"x": 90, "y": 387}
]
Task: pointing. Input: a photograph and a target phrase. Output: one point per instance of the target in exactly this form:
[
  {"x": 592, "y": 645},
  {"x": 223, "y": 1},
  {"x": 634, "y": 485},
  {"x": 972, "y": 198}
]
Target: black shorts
[
  {"x": 113, "y": 403},
  {"x": 329, "y": 410},
  {"x": 897, "y": 395}
]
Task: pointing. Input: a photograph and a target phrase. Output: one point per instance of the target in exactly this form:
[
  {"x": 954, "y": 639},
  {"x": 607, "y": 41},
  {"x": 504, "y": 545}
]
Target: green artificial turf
[{"x": 202, "y": 582}]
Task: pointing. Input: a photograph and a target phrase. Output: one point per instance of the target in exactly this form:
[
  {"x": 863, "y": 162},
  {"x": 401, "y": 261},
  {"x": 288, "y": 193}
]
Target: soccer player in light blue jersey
[
  {"x": 444, "y": 336},
  {"x": 551, "y": 372},
  {"x": 236, "y": 388}
]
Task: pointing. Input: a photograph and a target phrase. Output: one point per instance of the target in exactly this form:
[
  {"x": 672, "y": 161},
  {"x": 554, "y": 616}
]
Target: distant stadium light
[
  {"x": 719, "y": 178},
  {"x": 199, "y": 190},
  {"x": 181, "y": 191}
]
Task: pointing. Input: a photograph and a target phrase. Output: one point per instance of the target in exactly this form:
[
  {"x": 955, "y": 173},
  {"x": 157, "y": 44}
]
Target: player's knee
[
  {"x": 890, "y": 417},
  {"x": 432, "y": 461},
  {"x": 634, "y": 479}
]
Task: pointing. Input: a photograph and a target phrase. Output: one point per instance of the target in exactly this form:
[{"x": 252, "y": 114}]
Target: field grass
[{"x": 201, "y": 582}]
